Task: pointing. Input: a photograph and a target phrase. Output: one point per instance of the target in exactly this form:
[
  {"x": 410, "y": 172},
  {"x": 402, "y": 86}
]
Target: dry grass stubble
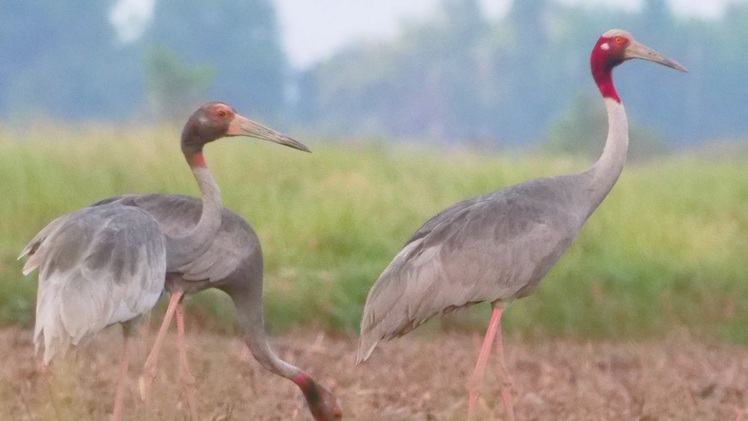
[{"x": 419, "y": 377}]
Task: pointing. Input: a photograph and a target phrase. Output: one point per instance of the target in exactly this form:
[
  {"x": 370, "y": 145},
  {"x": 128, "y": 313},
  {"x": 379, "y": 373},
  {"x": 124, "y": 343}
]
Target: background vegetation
[
  {"x": 505, "y": 100},
  {"x": 462, "y": 76},
  {"x": 667, "y": 248},
  {"x": 454, "y": 76},
  {"x": 65, "y": 59}
]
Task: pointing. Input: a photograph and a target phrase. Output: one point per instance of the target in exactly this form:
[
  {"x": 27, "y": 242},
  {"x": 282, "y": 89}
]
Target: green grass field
[{"x": 667, "y": 249}]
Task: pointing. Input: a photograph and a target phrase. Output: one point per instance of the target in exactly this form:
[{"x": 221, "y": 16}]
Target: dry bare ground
[{"x": 419, "y": 377}]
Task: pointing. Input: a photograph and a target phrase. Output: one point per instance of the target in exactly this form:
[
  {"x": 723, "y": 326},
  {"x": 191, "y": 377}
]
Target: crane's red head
[
  {"x": 613, "y": 48},
  {"x": 215, "y": 120},
  {"x": 323, "y": 405}
]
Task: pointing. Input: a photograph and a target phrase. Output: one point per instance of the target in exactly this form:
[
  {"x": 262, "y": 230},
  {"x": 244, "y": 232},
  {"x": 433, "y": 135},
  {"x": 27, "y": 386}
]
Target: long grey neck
[
  {"x": 322, "y": 404},
  {"x": 250, "y": 320},
  {"x": 604, "y": 174},
  {"x": 186, "y": 248}
]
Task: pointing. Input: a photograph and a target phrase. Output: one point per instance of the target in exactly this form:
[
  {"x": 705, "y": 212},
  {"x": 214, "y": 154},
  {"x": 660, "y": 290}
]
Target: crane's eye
[
  {"x": 619, "y": 40},
  {"x": 222, "y": 113}
]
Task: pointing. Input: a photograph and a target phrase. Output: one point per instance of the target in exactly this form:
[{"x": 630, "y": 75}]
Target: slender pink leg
[
  {"x": 149, "y": 370},
  {"x": 48, "y": 378},
  {"x": 185, "y": 377},
  {"x": 480, "y": 367},
  {"x": 505, "y": 378},
  {"x": 121, "y": 382}
]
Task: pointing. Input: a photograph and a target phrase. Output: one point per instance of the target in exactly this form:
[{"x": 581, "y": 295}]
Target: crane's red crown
[
  {"x": 610, "y": 49},
  {"x": 215, "y": 120},
  {"x": 609, "y": 52},
  {"x": 218, "y": 112},
  {"x": 210, "y": 122},
  {"x": 613, "y": 48}
]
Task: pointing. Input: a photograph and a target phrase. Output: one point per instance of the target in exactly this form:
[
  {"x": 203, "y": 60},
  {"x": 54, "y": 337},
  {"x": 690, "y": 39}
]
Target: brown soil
[{"x": 419, "y": 377}]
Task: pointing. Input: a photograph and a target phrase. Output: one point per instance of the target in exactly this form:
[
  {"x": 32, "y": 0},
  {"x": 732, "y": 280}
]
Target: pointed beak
[
  {"x": 637, "y": 50},
  {"x": 242, "y": 126}
]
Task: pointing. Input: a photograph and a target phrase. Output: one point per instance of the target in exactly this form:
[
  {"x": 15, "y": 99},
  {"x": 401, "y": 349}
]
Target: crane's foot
[
  {"x": 189, "y": 393},
  {"x": 473, "y": 393},
  {"x": 494, "y": 327},
  {"x": 471, "y": 409},
  {"x": 118, "y": 397},
  {"x": 145, "y": 382},
  {"x": 505, "y": 379},
  {"x": 506, "y": 397},
  {"x": 49, "y": 384},
  {"x": 186, "y": 379}
]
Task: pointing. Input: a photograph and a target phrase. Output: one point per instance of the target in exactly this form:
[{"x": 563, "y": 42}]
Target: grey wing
[
  {"x": 449, "y": 214},
  {"x": 178, "y": 214},
  {"x": 234, "y": 243},
  {"x": 489, "y": 248},
  {"x": 97, "y": 266}
]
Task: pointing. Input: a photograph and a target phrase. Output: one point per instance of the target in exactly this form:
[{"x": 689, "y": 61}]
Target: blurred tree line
[
  {"x": 463, "y": 77},
  {"x": 63, "y": 59},
  {"x": 458, "y": 76}
]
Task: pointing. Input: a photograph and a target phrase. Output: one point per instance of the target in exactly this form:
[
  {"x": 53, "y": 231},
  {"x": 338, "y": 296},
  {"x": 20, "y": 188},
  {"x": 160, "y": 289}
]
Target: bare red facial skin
[
  {"x": 607, "y": 54},
  {"x": 322, "y": 403},
  {"x": 221, "y": 112},
  {"x": 207, "y": 124}
]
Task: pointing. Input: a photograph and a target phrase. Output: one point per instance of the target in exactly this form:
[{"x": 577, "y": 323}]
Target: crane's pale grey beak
[
  {"x": 242, "y": 126},
  {"x": 637, "y": 50}
]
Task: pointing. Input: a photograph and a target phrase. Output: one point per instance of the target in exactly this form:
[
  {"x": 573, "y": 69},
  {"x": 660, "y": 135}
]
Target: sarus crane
[
  {"x": 498, "y": 246},
  {"x": 110, "y": 262}
]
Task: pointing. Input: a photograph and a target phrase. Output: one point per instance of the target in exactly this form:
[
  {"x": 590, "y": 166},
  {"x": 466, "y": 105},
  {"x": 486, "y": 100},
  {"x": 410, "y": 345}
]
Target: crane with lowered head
[{"x": 110, "y": 262}]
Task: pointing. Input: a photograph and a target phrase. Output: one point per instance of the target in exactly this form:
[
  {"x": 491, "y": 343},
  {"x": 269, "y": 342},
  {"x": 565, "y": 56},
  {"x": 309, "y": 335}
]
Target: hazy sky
[{"x": 314, "y": 29}]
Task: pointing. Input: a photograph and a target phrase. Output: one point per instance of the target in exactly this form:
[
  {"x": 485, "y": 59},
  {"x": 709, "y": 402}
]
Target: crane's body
[
  {"x": 493, "y": 247},
  {"x": 232, "y": 263},
  {"x": 234, "y": 245},
  {"x": 110, "y": 262},
  {"x": 84, "y": 285},
  {"x": 497, "y": 247}
]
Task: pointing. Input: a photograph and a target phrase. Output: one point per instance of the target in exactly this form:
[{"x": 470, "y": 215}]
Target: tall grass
[{"x": 668, "y": 248}]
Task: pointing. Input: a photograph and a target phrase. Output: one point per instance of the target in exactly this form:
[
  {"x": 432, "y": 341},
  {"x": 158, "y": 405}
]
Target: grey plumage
[
  {"x": 97, "y": 267},
  {"x": 498, "y": 246},
  {"x": 110, "y": 262},
  {"x": 177, "y": 215}
]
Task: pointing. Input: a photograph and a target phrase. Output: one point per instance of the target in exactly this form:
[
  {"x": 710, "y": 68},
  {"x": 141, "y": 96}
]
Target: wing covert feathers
[
  {"x": 97, "y": 266},
  {"x": 495, "y": 247}
]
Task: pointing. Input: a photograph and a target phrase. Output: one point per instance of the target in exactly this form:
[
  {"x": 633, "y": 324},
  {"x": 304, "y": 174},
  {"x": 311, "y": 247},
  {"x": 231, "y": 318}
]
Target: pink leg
[
  {"x": 505, "y": 378},
  {"x": 44, "y": 371},
  {"x": 185, "y": 377},
  {"x": 121, "y": 382},
  {"x": 475, "y": 380},
  {"x": 149, "y": 370}
]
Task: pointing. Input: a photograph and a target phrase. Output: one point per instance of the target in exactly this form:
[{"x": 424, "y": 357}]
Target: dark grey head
[
  {"x": 215, "y": 120},
  {"x": 323, "y": 405}
]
